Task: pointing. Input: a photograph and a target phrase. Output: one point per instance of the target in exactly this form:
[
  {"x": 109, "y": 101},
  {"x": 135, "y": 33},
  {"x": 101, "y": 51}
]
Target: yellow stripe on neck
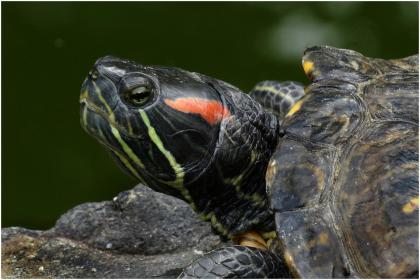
[
  {"x": 178, "y": 183},
  {"x": 126, "y": 148},
  {"x": 102, "y": 99},
  {"x": 411, "y": 206}
]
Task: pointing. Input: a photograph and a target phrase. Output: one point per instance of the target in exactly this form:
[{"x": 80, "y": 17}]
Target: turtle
[{"x": 315, "y": 181}]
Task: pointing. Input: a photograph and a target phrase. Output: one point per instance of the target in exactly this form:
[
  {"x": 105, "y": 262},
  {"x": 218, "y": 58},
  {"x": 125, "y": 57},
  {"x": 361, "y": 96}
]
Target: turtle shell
[{"x": 343, "y": 181}]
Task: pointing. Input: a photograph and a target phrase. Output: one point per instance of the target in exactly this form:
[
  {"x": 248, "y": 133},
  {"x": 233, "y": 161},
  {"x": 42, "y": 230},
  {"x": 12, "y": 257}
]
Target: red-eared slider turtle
[{"x": 328, "y": 189}]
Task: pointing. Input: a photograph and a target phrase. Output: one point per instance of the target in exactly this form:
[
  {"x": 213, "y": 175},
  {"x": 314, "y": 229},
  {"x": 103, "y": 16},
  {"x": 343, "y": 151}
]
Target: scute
[
  {"x": 338, "y": 64},
  {"x": 356, "y": 131},
  {"x": 330, "y": 114},
  {"x": 394, "y": 97},
  {"x": 378, "y": 178},
  {"x": 302, "y": 173},
  {"x": 311, "y": 247}
]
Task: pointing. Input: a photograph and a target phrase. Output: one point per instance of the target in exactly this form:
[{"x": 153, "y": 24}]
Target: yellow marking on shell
[
  {"x": 295, "y": 108},
  {"x": 178, "y": 183},
  {"x": 308, "y": 67},
  {"x": 102, "y": 99},
  {"x": 319, "y": 174},
  {"x": 323, "y": 238},
  {"x": 126, "y": 148},
  {"x": 411, "y": 206}
]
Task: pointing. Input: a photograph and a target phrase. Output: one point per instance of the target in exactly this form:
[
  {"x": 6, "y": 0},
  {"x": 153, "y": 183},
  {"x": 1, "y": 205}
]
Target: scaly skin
[
  {"x": 237, "y": 262},
  {"x": 277, "y": 97}
]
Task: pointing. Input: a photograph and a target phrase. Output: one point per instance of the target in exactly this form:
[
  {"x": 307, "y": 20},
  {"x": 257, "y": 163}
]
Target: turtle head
[
  {"x": 183, "y": 134},
  {"x": 161, "y": 124}
]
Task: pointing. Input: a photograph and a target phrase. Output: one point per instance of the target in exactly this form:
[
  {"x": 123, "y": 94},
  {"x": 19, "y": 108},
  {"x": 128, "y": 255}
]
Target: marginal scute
[
  {"x": 339, "y": 64},
  {"x": 311, "y": 245},
  {"x": 308, "y": 67},
  {"x": 303, "y": 174},
  {"x": 330, "y": 114}
]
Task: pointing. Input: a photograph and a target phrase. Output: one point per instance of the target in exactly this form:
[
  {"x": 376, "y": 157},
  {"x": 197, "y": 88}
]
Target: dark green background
[{"x": 49, "y": 164}]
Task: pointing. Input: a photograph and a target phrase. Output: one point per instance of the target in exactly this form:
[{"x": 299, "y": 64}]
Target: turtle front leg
[
  {"x": 237, "y": 262},
  {"x": 250, "y": 259}
]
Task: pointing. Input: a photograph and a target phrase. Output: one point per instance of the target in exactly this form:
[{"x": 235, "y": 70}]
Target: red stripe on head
[{"x": 211, "y": 110}]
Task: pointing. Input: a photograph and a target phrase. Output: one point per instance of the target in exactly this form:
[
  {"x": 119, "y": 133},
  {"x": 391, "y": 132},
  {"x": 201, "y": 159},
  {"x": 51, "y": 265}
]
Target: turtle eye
[{"x": 139, "y": 95}]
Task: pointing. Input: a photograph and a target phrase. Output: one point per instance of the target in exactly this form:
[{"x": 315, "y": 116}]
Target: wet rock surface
[{"x": 140, "y": 234}]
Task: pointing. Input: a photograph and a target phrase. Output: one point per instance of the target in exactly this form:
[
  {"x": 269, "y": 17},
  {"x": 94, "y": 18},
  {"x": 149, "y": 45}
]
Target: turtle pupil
[{"x": 139, "y": 96}]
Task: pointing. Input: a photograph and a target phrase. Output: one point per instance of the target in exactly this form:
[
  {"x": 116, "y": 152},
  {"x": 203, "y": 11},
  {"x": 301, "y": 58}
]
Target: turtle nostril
[{"x": 93, "y": 74}]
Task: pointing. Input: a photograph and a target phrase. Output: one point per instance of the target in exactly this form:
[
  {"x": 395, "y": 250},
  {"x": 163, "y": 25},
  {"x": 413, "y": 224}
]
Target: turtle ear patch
[{"x": 212, "y": 111}]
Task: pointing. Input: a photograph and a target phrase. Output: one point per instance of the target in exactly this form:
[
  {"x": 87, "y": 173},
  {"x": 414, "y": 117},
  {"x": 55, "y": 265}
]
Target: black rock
[{"x": 140, "y": 234}]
